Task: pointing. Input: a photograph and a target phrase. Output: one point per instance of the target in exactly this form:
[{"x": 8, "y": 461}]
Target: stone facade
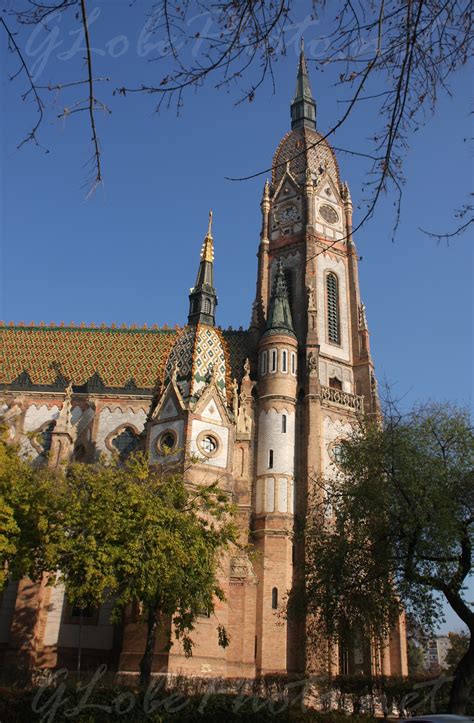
[{"x": 261, "y": 409}]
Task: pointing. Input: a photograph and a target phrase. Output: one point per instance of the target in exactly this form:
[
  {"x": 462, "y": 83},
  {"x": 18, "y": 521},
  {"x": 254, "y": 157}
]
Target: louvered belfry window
[{"x": 332, "y": 292}]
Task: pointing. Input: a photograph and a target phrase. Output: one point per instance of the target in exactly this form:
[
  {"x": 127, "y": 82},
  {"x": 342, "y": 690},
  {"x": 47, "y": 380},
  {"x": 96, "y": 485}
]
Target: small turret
[
  {"x": 275, "y": 470},
  {"x": 279, "y": 319},
  {"x": 203, "y": 297}
]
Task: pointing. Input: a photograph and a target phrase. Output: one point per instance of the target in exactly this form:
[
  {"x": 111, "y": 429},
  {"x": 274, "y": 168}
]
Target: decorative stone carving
[
  {"x": 346, "y": 194},
  {"x": 312, "y": 363},
  {"x": 343, "y": 399},
  {"x": 246, "y": 369},
  {"x": 64, "y": 424},
  {"x": 95, "y": 383},
  {"x": 241, "y": 568},
  {"x": 362, "y": 316},
  {"x": 12, "y": 412},
  {"x": 244, "y": 420},
  {"x": 310, "y": 293},
  {"x": 235, "y": 398}
]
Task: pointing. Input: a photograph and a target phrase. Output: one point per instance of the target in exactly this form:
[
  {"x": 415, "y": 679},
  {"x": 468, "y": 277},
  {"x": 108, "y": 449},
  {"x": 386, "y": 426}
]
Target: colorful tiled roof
[{"x": 117, "y": 356}]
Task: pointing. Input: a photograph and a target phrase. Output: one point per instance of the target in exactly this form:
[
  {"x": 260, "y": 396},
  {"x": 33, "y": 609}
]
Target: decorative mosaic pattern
[
  {"x": 117, "y": 356},
  {"x": 181, "y": 357},
  {"x": 296, "y": 145},
  {"x": 198, "y": 350},
  {"x": 114, "y": 357},
  {"x": 237, "y": 344},
  {"x": 208, "y": 354}
]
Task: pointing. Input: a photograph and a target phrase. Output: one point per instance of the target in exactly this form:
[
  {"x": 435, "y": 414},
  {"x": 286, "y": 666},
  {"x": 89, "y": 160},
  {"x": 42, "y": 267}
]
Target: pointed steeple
[
  {"x": 203, "y": 297},
  {"x": 303, "y": 107},
  {"x": 279, "y": 319}
]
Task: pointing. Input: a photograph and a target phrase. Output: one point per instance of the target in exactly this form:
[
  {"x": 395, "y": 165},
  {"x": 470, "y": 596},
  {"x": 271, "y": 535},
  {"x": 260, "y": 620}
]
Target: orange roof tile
[{"x": 117, "y": 355}]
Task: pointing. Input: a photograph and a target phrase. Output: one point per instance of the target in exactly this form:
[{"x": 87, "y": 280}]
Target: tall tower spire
[
  {"x": 203, "y": 297},
  {"x": 303, "y": 107}
]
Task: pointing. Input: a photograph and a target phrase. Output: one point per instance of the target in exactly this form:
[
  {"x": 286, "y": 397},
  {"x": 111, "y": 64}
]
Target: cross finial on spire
[
  {"x": 207, "y": 253},
  {"x": 202, "y": 297}
]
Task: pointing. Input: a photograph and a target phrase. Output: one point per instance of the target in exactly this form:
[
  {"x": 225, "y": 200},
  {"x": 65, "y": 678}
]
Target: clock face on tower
[
  {"x": 288, "y": 214},
  {"x": 328, "y": 213}
]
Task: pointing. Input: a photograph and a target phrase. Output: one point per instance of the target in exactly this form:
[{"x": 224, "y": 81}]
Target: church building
[{"x": 263, "y": 410}]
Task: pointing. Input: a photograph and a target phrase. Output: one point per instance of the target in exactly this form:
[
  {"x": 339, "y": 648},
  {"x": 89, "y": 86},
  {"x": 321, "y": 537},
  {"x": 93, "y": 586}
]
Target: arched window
[
  {"x": 284, "y": 361},
  {"x": 80, "y": 453},
  {"x": 335, "y": 383},
  {"x": 125, "y": 442},
  {"x": 332, "y": 294},
  {"x": 263, "y": 363},
  {"x": 45, "y": 437},
  {"x": 293, "y": 362},
  {"x": 274, "y": 598},
  {"x": 283, "y": 423},
  {"x": 273, "y": 363}
]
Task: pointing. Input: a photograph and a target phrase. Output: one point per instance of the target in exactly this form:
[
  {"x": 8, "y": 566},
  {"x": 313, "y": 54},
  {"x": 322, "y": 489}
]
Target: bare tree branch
[{"x": 32, "y": 89}]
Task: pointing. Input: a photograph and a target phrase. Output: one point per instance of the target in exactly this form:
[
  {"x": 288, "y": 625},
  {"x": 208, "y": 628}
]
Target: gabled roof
[{"x": 97, "y": 359}]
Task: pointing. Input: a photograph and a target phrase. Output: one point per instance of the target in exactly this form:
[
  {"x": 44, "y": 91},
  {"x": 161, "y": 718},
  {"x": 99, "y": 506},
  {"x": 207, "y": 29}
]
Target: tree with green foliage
[
  {"x": 135, "y": 533},
  {"x": 458, "y": 647},
  {"x": 24, "y": 510},
  {"x": 393, "y": 530},
  {"x": 415, "y": 658}
]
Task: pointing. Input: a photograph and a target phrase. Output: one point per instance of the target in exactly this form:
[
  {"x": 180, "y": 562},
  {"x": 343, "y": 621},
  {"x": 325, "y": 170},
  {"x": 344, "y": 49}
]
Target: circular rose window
[
  {"x": 166, "y": 442},
  {"x": 328, "y": 213},
  {"x": 209, "y": 444}
]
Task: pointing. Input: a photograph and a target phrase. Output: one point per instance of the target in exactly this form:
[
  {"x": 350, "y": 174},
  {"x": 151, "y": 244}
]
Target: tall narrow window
[
  {"x": 332, "y": 293},
  {"x": 273, "y": 366},
  {"x": 293, "y": 362},
  {"x": 206, "y": 306},
  {"x": 283, "y": 423},
  {"x": 45, "y": 437},
  {"x": 284, "y": 361},
  {"x": 270, "y": 459},
  {"x": 274, "y": 598},
  {"x": 263, "y": 366}
]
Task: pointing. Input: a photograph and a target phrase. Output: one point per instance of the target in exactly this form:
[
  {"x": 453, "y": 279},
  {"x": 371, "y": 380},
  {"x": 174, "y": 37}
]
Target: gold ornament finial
[{"x": 207, "y": 253}]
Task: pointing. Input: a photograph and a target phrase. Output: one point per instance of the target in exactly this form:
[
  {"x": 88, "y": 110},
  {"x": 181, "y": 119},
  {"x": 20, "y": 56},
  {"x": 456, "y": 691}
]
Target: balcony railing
[{"x": 343, "y": 399}]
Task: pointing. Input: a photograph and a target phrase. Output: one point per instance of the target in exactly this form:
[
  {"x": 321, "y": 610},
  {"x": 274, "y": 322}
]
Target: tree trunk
[
  {"x": 146, "y": 662},
  {"x": 463, "y": 681}
]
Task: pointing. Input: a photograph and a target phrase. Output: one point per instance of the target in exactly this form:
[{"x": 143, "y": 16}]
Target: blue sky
[{"x": 129, "y": 253}]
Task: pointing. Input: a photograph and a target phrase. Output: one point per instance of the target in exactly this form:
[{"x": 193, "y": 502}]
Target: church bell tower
[{"x": 315, "y": 371}]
